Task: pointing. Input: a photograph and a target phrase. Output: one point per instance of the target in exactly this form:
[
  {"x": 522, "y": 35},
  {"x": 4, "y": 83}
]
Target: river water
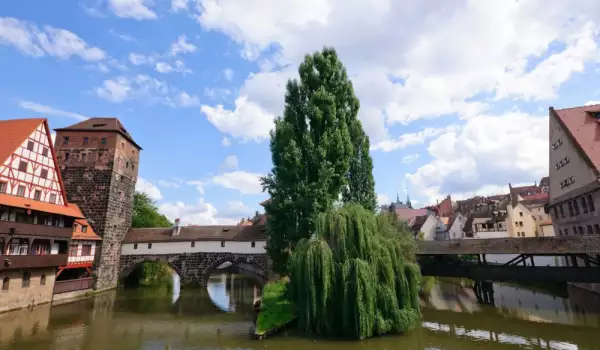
[{"x": 220, "y": 317}]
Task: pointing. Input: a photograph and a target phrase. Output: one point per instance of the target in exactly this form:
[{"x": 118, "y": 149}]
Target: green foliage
[
  {"x": 319, "y": 151},
  {"x": 145, "y": 213},
  {"x": 353, "y": 278},
  {"x": 151, "y": 274},
  {"x": 276, "y": 309}
]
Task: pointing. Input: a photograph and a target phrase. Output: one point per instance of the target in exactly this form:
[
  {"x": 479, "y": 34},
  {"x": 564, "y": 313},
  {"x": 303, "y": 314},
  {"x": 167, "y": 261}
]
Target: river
[{"x": 220, "y": 317}]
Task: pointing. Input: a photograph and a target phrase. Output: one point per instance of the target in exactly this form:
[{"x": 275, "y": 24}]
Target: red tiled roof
[
  {"x": 584, "y": 129},
  {"x": 536, "y": 196},
  {"x": 13, "y": 133},
  {"x": 101, "y": 124},
  {"x": 77, "y": 233},
  {"x": 27, "y": 203},
  {"x": 196, "y": 233},
  {"x": 546, "y": 222},
  {"x": 406, "y": 214}
]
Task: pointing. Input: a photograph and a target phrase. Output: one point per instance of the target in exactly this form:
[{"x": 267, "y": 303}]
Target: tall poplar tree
[{"x": 319, "y": 152}]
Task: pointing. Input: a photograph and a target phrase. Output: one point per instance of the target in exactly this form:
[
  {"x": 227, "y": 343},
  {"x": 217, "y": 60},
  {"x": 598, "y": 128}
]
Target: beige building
[
  {"x": 575, "y": 174},
  {"x": 575, "y": 170}
]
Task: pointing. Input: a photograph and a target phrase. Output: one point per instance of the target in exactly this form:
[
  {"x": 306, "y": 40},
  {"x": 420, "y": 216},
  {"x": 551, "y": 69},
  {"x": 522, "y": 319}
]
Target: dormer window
[
  {"x": 557, "y": 144},
  {"x": 562, "y": 163}
]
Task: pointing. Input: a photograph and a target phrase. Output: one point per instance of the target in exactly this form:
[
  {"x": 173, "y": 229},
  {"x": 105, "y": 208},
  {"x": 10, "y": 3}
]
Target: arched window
[
  {"x": 5, "y": 283},
  {"x": 25, "y": 280},
  {"x": 43, "y": 280}
]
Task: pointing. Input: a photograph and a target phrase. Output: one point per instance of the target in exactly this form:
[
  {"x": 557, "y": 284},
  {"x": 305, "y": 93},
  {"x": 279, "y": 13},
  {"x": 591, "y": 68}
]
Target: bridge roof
[{"x": 197, "y": 233}]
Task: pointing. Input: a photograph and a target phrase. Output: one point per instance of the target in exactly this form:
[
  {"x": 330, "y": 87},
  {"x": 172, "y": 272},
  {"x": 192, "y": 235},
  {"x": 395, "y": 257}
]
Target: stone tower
[{"x": 99, "y": 161}]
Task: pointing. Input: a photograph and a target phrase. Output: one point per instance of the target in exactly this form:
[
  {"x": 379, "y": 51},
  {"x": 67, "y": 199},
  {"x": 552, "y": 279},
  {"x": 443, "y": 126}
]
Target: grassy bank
[{"x": 276, "y": 309}]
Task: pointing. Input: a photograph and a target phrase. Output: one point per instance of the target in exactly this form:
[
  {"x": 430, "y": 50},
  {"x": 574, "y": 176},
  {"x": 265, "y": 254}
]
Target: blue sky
[{"x": 455, "y": 98}]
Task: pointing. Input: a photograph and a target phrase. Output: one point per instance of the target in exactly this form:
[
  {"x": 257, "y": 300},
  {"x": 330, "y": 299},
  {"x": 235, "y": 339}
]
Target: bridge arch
[
  {"x": 252, "y": 265},
  {"x": 126, "y": 268}
]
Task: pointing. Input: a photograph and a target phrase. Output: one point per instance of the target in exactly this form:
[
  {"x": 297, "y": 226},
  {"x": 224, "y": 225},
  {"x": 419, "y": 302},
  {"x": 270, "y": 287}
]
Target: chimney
[{"x": 176, "y": 228}]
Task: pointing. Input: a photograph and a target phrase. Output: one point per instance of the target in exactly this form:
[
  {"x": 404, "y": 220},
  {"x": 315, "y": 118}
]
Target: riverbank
[{"x": 276, "y": 311}]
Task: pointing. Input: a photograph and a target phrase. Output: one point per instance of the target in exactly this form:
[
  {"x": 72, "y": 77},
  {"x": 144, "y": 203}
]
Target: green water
[{"x": 220, "y": 317}]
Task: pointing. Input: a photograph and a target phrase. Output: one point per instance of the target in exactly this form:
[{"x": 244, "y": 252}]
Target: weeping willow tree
[{"x": 352, "y": 279}]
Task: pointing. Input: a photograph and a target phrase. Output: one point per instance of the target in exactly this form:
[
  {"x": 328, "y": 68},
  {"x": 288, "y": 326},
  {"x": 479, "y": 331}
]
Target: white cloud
[
  {"x": 136, "y": 9},
  {"x": 203, "y": 213},
  {"x": 168, "y": 184},
  {"x": 179, "y": 5},
  {"x": 410, "y": 158},
  {"x": 186, "y": 100},
  {"x": 51, "y": 111},
  {"x": 382, "y": 199},
  {"x": 247, "y": 122},
  {"x": 200, "y": 213},
  {"x": 53, "y": 137},
  {"x": 144, "y": 186},
  {"x": 124, "y": 37},
  {"x": 242, "y": 181},
  {"x": 228, "y": 73},
  {"x": 516, "y": 49},
  {"x": 230, "y": 163},
  {"x": 181, "y": 46},
  {"x": 178, "y": 66},
  {"x": 199, "y": 185},
  {"x": 143, "y": 87},
  {"x": 60, "y": 43},
  {"x": 590, "y": 103},
  {"x": 484, "y": 155},
  {"x": 410, "y": 139},
  {"x": 225, "y": 142},
  {"x": 139, "y": 59}
]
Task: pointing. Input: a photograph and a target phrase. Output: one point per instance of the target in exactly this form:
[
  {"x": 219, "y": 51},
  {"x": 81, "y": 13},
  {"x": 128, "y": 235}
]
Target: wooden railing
[
  {"x": 73, "y": 285},
  {"x": 20, "y": 228},
  {"x": 31, "y": 261}
]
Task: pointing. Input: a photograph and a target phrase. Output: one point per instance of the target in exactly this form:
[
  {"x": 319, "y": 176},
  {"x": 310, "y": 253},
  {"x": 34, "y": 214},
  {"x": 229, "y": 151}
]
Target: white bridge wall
[{"x": 157, "y": 248}]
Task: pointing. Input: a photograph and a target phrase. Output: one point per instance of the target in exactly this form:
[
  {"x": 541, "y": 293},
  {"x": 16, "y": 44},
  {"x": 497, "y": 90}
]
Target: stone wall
[
  {"x": 196, "y": 267},
  {"x": 17, "y": 296}
]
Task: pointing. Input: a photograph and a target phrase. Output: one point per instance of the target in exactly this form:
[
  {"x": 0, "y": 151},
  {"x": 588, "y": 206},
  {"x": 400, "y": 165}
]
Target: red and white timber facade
[{"x": 30, "y": 171}]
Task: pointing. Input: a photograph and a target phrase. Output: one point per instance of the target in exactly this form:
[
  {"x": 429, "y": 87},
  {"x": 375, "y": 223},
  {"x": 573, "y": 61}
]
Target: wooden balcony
[
  {"x": 31, "y": 261},
  {"x": 73, "y": 285},
  {"x": 19, "y": 228}
]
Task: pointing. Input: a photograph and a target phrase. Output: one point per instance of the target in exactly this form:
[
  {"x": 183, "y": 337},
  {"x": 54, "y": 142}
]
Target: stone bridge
[{"x": 195, "y": 252}]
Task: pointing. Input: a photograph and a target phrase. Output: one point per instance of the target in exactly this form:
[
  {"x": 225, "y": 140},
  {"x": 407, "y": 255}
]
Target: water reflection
[{"x": 220, "y": 317}]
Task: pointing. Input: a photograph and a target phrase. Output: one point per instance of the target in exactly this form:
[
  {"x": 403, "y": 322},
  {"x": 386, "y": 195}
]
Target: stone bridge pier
[{"x": 196, "y": 268}]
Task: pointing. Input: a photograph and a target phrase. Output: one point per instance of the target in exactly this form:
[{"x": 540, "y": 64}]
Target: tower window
[
  {"x": 103, "y": 141},
  {"x": 30, "y": 145},
  {"x": 86, "y": 140},
  {"x": 67, "y": 156},
  {"x": 66, "y": 140},
  {"x": 123, "y": 145}
]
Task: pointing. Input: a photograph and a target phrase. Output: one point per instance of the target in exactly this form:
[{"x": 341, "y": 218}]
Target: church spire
[
  {"x": 408, "y": 203},
  {"x": 397, "y": 196}
]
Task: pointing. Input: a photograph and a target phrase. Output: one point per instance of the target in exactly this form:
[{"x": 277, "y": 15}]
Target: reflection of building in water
[
  {"x": 23, "y": 324},
  {"x": 518, "y": 302}
]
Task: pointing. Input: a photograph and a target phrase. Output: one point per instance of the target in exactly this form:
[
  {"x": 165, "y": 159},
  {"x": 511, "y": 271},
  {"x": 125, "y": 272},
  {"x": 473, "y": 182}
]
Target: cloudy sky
[{"x": 454, "y": 94}]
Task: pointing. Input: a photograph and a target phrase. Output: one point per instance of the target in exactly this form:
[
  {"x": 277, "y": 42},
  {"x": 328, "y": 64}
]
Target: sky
[{"x": 454, "y": 95}]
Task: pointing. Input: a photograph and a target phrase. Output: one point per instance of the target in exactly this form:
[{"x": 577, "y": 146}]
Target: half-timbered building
[{"x": 36, "y": 223}]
